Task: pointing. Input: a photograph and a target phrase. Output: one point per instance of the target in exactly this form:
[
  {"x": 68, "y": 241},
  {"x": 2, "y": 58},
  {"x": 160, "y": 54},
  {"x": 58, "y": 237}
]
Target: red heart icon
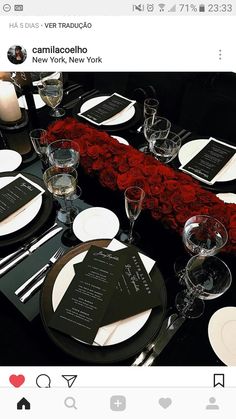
[{"x": 17, "y": 380}]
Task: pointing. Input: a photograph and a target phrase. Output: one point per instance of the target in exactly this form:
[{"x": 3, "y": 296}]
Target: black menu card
[
  {"x": 83, "y": 306},
  {"x": 107, "y": 109},
  {"x": 16, "y": 195},
  {"x": 206, "y": 164},
  {"x": 135, "y": 292}
]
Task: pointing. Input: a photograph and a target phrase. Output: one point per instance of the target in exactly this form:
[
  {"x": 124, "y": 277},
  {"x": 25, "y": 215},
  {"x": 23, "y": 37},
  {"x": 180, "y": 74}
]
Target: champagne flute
[
  {"x": 134, "y": 197},
  {"x": 150, "y": 106},
  {"x": 39, "y": 141},
  {"x": 51, "y": 92},
  {"x": 155, "y": 127}
]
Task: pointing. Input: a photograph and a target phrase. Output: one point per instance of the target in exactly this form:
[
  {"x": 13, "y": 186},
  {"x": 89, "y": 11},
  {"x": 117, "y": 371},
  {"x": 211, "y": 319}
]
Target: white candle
[{"x": 9, "y": 107}]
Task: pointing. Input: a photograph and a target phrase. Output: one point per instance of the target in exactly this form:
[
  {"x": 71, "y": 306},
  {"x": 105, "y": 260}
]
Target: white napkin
[{"x": 105, "y": 333}]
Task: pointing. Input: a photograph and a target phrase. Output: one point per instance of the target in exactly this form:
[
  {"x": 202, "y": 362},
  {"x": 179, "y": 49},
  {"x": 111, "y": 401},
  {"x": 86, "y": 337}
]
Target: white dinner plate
[
  {"x": 39, "y": 103},
  {"x": 190, "y": 149},
  {"x": 9, "y": 160},
  {"x": 21, "y": 219},
  {"x": 96, "y": 223},
  {"x": 120, "y": 139},
  {"x": 126, "y": 328},
  {"x": 222, "y": 334},
  {"x": 121, "y": 119},
  {"x": 228, "y": 198}
]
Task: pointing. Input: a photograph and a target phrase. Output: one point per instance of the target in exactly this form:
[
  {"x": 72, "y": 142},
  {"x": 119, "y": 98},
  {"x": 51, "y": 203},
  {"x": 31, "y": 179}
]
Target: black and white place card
[
  {"x": 210, "y": 161},
  {"x": 16, "y": 195},
  {"x": 107, "y": 109},
  {"x": 84, "y": 304}
]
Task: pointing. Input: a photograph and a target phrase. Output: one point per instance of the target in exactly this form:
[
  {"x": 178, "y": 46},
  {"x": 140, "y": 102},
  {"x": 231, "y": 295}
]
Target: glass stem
[{"x": 130, "y": 237}]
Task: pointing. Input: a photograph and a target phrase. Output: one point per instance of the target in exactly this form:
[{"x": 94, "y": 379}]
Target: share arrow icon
[{"x": 70, "y": 379}]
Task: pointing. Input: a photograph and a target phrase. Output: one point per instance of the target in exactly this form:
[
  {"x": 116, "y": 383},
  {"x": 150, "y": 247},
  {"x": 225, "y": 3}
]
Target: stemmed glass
[
  {"x": 134, "y": 197},
  {"x": 150, "y": 107},
  {"x": 165, "y": 150},
  {"x": 39, "y": 141},
  {"x": 207, "y": 278},
  {"x": 65, "y": 153},
  {"x": 202, "y": 235},
  {"x": 155, "y": 127},
  {"x": 61, "y": 182},
  {"x": 51, "y": 92}
]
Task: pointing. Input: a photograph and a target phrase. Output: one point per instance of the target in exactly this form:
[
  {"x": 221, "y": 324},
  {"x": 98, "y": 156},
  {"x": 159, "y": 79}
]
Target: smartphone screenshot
[{"x": 117, "y": 209}]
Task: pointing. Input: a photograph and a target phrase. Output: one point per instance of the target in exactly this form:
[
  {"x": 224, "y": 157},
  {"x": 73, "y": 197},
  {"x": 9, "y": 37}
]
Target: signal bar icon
[{"x": 172, "y": 9}]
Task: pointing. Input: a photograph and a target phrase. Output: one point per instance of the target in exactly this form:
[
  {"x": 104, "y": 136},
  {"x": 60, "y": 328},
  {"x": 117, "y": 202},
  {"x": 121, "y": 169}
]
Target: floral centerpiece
[{"x": 171, "y": 196}]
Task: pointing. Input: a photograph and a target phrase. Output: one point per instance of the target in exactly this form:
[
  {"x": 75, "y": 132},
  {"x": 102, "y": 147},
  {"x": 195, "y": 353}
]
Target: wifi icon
[{"x": 162, "y": 7}]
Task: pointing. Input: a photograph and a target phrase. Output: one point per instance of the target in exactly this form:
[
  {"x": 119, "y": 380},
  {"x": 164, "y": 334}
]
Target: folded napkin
[{"x": 105, "y": 333}]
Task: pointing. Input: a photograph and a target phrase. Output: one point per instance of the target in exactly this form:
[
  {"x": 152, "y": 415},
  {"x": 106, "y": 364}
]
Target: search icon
[{"x": 70, "y": 402}]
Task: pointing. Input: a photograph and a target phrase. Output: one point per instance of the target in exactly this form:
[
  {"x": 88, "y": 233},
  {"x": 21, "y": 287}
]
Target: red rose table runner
[{"x": 171, "y": 196}]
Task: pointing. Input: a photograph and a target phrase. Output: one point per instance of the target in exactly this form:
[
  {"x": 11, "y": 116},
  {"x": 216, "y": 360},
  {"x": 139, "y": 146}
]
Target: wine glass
[
  {"x": 39, "y": 141},
  {"x": 202, "y": 235},
  {"x": 158, "y": 126},
  {"x": 165, "y": 150},
  {"x": 51, "y": 92},
  {"x": 61, "y": 182},
  {"x": 206, "y": 278},
  {"x": 46, "y": 75},
  {"x": 134, "y": 197},
  {"x": 63, "y": 153},
  {"x": 150, "y": 107}
]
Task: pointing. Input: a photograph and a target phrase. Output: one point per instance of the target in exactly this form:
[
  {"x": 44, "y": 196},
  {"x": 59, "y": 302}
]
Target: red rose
[{"x": 107, "y": 178}]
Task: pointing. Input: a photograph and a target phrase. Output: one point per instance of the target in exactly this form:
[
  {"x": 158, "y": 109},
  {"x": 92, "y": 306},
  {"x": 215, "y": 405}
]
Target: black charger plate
[
  {"x": 93, "y": 354},
  {"x": 42, "y": 219},
  {"x": 109, "y": 128}
]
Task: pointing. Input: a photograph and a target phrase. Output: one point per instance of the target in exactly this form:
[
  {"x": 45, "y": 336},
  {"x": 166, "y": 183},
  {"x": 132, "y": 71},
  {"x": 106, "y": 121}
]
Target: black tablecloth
[{"x": 26, "y": 343}]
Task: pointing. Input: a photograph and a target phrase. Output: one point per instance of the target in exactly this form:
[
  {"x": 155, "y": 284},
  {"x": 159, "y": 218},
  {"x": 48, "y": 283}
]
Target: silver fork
[{"x": 34, "y": 282}]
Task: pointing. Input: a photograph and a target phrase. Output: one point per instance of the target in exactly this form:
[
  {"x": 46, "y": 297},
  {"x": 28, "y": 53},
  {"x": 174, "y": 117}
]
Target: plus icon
[{"x": 117, "y": 403}]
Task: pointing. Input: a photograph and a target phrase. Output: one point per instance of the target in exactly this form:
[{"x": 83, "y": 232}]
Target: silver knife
[
  {"x": 24, "y": 298},
  {"x": 25, "y": 246},
  {"x": 35, "y": 246},
  {"x": 163, "y": 341},
  {"x": 165, "y": 325}
]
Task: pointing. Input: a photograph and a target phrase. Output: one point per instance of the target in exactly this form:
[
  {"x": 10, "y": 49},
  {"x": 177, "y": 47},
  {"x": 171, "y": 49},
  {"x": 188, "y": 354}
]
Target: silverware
[
  {"x": 163, "y": 341},
  {"x": 165, "y": 325},
  {"x": 72, "y": 88},
  {"x": 26, "y": 246},
  {"x": 28, "y": 252},
  {"x": 186, "y": 135},
  {"x": 74, "y": 102},
  {"x": 35, "y": 281}
]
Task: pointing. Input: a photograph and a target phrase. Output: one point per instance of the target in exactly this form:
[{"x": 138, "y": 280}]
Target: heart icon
[
  {"x": 165, "y": 402},
  {"x": 17, "y": 380}
]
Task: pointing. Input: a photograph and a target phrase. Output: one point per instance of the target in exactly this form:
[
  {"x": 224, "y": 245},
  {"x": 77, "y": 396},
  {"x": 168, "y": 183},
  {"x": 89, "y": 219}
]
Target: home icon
[{"x": 23, "y": 404}]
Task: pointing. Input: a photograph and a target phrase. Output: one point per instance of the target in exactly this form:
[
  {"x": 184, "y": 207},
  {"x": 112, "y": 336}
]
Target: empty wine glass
[
  {"x": 203, "y": 235},
  {"x": 207, "y": 278},
  {"x": 165, "y": 150},
  {"x": 134, "y": 197},
  {"x": 63, "y": 153},
  {"x": 39, "y": 141},
  {"x": 51, "y": 92},
  {"x": 150, "y": 107},
  {"x": 61, "y": 182},
  {"x": 158, "y": 126}
]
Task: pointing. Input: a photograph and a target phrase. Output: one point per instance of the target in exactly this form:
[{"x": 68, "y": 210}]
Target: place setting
[{"x": 109, "y": 112}]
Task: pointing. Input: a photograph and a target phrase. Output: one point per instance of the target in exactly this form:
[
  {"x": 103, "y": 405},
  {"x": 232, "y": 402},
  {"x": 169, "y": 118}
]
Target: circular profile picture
[{"x": 16, "y": 54}]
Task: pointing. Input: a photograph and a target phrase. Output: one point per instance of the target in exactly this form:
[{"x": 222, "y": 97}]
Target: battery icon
[{"x": 202, "y": 8}]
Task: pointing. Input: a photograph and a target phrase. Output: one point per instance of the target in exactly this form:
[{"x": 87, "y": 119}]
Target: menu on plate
[
  {"x": 16, "y": 195},
  {"x": 107, "y": 109},
  {"x": 108, "y": 286},
  {"x": 83, "y": 306},
  {"x": 208, "y": 163},
  {"x": 136, "y": 291}
]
